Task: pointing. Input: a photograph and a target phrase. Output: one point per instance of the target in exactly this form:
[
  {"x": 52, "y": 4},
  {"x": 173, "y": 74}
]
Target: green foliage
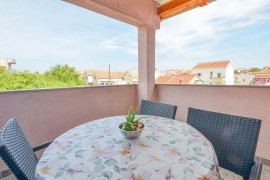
[
  {"x": 236, "y": 72},
  {"x": 130, "y": 119},
  {"x": 2, "y": 68},
  {"x": 132, "y": 114},
  {"x": 64, "y": 74},
  {"x": 58, "y": 76},
  {"x": 254, "y": 69},
  {"x": 128, "y": 126}
]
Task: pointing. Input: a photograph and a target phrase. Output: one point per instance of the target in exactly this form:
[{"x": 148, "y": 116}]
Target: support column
[{"x": 146, "y": 66}]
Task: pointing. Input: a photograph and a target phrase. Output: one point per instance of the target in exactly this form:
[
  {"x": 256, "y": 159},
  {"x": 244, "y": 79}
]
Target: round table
[{"x": 166, "y": 149}]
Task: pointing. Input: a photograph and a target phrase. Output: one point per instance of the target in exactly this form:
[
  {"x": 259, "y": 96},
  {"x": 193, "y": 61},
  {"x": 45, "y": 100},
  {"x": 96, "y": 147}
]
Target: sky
[{"x": 40, "y": 34}]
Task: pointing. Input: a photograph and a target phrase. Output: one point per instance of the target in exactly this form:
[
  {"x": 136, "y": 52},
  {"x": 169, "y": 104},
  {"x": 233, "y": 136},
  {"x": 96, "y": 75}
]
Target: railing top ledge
[{"x": 61, "y": 89}]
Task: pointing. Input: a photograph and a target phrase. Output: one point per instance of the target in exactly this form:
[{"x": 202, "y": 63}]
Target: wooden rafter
[{"x": 178, "y": 6}]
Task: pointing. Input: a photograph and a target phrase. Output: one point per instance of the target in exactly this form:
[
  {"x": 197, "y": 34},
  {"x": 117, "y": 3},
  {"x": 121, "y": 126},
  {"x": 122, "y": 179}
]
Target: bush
[{"x": 58, "y": 76}]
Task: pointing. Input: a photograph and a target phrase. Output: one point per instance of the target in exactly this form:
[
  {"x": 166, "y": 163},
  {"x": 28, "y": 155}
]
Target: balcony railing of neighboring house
[{"x": 217, "y": 80}]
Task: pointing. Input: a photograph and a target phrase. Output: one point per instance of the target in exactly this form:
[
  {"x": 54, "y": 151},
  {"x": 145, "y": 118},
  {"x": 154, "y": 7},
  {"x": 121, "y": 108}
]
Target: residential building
[
  {"x": 6, "y": 63},
  {"x": 84, "y": 76},
  {"x": 243, "y": 78},
  {"x": 131, "y": 77},
  {"x": 103, "y": 78},
  {"x": 178, "y": 71},
  {"x": 179, "y": 79},
  {"x": 163, "y": 79},
  {"x": 262, "y": 77},
  {"x": 218, "y": 72}
]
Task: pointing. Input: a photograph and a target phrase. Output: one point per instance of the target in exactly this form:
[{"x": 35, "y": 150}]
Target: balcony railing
[
  {"x": 45, "y": 114},
  {"x": 249, "y": 101}
]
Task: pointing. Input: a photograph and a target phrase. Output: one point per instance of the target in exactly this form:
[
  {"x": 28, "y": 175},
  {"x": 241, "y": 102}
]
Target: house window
[
  {"x": 211, "y": 75},
  {"x": 199, "y": 74},
  {"x": 219, "y": 75}
]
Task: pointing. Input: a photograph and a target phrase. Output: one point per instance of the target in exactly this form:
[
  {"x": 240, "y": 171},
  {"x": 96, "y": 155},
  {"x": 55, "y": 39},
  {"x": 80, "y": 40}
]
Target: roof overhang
[{"x": 169, "y": 8}]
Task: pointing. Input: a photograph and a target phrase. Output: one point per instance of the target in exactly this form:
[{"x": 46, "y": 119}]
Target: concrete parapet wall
[{"x": 236, "y": 100}]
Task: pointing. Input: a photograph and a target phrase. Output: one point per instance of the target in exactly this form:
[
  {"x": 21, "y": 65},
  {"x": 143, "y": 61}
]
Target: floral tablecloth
[{"x": 167, "y": 149}]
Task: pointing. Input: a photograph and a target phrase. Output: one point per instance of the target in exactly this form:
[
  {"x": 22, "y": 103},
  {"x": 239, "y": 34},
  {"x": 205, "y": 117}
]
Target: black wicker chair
[
  {"x": 234, "y": 139},
  {"x": 157, "y": 109},
  {"x": 16, "y": 151}
]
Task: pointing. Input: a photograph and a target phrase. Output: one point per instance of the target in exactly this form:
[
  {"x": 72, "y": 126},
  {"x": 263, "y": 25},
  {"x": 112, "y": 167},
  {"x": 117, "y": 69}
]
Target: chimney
[{"x": 180, "y": 81}]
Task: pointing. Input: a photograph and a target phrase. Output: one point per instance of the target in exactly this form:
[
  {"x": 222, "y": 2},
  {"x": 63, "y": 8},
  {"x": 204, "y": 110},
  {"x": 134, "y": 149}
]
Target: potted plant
[{"x": 132, "y": 128}]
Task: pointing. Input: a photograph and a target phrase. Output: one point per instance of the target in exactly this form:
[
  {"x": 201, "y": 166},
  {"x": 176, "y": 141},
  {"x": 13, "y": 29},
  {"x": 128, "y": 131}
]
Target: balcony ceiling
[{"x": 169, "y": 8}]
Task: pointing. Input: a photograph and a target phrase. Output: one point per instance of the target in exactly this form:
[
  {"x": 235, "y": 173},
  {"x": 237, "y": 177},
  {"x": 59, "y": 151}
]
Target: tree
[
  {"x": 254, "y": 69},
  {"x": 58, "y": 76},
  {"x": 2, "y": 68},
  {"x": 236, "y": 72},
  {"x": 65, "y": 74}
]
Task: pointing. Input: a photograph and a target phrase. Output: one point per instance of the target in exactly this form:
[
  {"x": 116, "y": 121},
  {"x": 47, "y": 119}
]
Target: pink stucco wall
[
  {"x": 133, "y": 12},
  {"x": 244, "y": 101},
  {"x": 45, "y": 114}
]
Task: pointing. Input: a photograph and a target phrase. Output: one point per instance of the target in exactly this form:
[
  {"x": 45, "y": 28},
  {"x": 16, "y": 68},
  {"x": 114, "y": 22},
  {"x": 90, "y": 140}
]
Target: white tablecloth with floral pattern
[{"x": 166, "y": 149}]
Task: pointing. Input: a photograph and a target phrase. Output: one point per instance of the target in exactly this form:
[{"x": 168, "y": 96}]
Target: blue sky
[{"x": 39, "y": 34}]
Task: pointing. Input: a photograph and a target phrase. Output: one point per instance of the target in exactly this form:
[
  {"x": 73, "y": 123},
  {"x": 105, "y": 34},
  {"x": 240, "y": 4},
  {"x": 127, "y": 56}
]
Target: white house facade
[
  {"x": 244, "y": 79},
  {"x": 7, "y": 62},
  {"x": 104, "y": 78},
  {"x": 218, "y": 72}
]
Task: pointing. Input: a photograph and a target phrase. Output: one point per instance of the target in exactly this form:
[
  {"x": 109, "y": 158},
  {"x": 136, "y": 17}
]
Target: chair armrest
[
  {"x": 256, "y": 170},
  {"x": 41, "y": 146}
]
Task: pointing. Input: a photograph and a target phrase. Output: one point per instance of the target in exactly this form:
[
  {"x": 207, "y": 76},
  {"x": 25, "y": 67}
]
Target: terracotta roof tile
[
  {"x": 217, "y": 64},
  {"x": 187, "y": 71},
  {"x": 262, "y": 76},
  {"x": 163, "y": 79},
  {"x": 105, "y": 74},
  {"x": 265, "y": 71},
  {"x": 177, "y": 79},
  {"x": 181, "y": 79}
]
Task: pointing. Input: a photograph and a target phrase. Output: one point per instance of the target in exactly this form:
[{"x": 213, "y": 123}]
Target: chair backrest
[
  {"x": 16, "y": 152},
  {"x": 157, "y": 109},
  {"x": 234, "y": 138}
]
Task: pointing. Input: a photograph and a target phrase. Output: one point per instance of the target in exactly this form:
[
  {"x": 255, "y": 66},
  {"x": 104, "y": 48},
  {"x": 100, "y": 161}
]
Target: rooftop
[
  {"x": 7, "y": 60},
  {"x": 105, "y": 74},
  {"x": 176, "y": 79},
  {"x": 216, "y": 64},
  {"x": 265, "y": 71}
]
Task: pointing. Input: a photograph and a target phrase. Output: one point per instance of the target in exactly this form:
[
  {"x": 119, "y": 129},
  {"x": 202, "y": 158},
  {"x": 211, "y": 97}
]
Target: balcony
[{"x": 45, "y": 114}]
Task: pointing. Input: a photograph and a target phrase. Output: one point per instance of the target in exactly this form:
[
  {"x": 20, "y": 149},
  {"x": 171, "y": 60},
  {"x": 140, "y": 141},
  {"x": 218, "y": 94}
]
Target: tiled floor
[
  {"x": 265, "y": 172},
  {"x": 11, "y": 177},
  {"x": 227, "y": 175}
]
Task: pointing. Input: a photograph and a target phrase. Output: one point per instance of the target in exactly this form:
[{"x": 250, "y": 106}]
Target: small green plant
[{"x": 132, "y": 123}]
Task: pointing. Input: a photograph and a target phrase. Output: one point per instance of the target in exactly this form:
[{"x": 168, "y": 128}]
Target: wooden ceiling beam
[{"x": 178, "y": 6}]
